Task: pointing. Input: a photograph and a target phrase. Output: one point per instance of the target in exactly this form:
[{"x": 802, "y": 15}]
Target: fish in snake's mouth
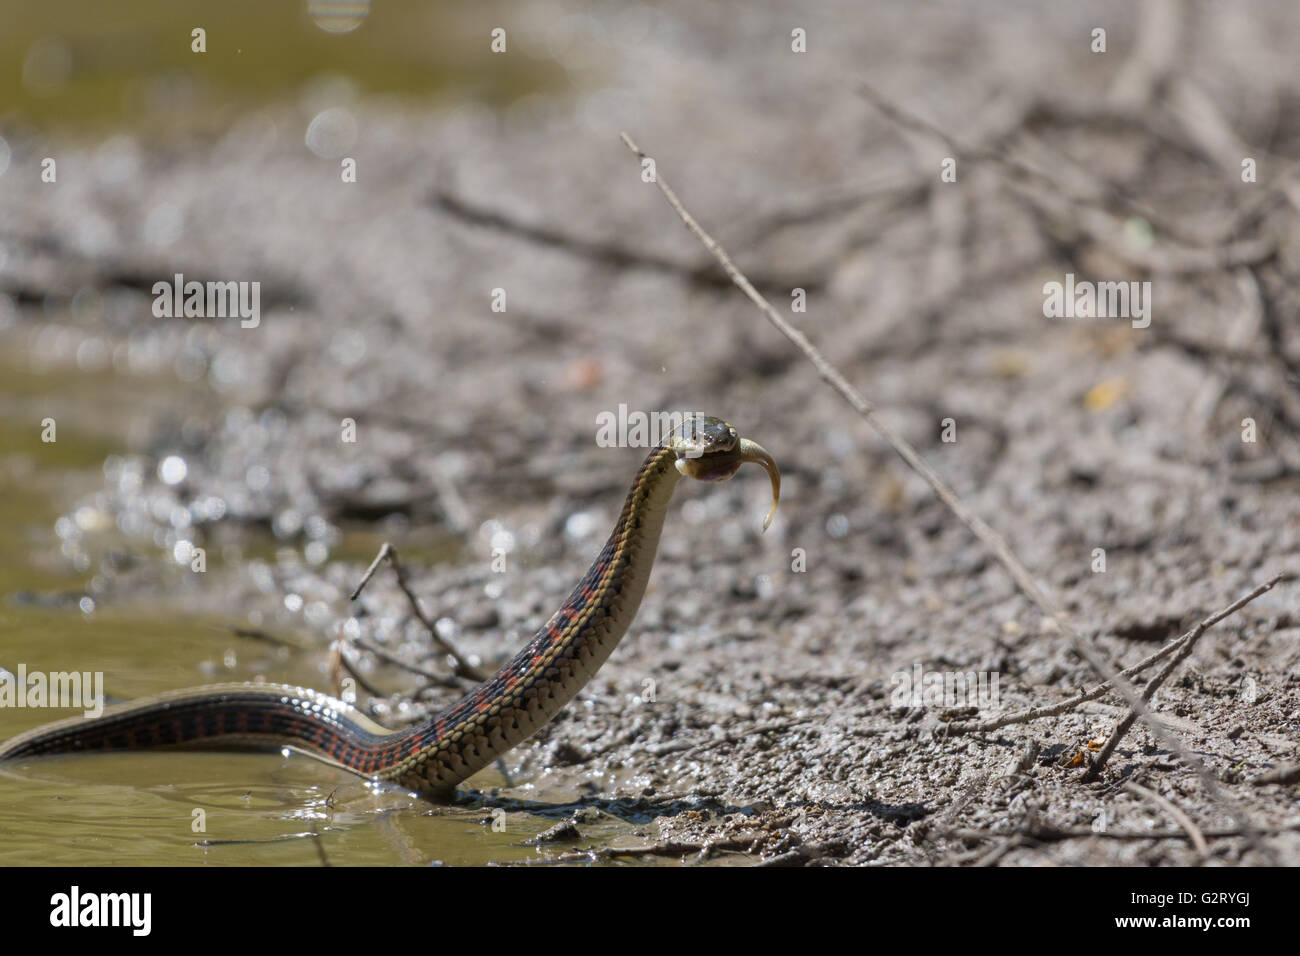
[
  {"x": 711, "y": 450},
  {"x": 718, "y": 466}
]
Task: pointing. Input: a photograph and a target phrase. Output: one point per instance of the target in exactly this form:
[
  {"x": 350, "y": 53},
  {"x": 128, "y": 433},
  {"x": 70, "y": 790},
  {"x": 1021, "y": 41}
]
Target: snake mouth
[
  {"x": 721, "y": 465},
  {"x": 711, "y": 466}
]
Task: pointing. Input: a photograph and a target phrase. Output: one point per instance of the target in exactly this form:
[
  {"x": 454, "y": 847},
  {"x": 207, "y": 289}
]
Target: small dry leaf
[{"x": 1105, "y": 394}]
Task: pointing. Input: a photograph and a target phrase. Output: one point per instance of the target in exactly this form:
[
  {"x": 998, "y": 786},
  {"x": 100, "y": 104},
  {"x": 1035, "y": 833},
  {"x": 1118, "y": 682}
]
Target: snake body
[{"x": 434, "y": 756}]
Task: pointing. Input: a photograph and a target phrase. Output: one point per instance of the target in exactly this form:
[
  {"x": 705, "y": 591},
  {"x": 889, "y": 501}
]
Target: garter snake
[{"x": 434, "y": 756}]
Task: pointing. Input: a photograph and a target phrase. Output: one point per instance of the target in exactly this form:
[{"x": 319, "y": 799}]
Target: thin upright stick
[{"x": 462, "y": 667}]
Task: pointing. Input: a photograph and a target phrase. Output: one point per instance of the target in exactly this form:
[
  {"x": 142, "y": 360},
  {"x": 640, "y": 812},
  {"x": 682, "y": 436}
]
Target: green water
[
  {"x": 190, "y": 808},
  {"x": 94, "y": 67},
  {"x": 212, "y": 808}
]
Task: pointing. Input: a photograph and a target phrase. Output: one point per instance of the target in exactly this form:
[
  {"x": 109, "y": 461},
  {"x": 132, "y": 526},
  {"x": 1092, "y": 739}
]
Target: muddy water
[
  {"x": 91, "y": 68},
  {"x": 182, "y": 808},
  {"x": 192, "y": 808}
]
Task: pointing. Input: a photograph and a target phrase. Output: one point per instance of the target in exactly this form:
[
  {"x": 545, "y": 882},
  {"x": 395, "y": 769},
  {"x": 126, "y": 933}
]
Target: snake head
[{"x": 708, "y": 449}]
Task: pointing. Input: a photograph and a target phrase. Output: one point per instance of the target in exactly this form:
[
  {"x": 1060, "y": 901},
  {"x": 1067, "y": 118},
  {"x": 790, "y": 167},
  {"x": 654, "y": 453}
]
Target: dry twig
[
  {"x": 1285, "y": 774},
  {"x": 1064, "y": 706},
  {"x": 1182, "y": 819},
  {"x": 462, "y": 667},
  {"x": 1187, "y": 645}
]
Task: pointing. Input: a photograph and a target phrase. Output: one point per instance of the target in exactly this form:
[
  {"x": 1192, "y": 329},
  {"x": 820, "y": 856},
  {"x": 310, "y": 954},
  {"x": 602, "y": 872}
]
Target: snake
[{"x": 434, "y": 756}]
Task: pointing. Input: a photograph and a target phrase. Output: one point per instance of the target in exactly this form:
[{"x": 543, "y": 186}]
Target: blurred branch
[
  {"x": 1179, "y": 817},
  {"x": 603, "y": 252},
  {"x": 1100, "y": 214}
]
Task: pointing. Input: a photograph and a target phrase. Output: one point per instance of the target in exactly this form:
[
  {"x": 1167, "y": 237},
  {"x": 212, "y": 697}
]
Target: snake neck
[
  {"x": 622, "y": 569},
  {"x": 568, "y": 649},
  {"x": 602, "y": 605}
]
